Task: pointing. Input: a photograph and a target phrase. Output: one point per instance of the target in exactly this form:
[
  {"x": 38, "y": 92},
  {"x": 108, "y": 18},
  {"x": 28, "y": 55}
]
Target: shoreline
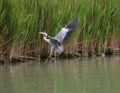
[{"x": 20, "y": 59}]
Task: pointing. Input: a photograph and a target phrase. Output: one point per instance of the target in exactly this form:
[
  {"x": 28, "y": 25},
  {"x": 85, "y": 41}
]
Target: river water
[{"x": 81, "y": 75}]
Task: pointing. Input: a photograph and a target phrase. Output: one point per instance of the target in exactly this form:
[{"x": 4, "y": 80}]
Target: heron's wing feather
[
  {"x": 61, "y": 35},
  {"x": 66, "y": 31}
]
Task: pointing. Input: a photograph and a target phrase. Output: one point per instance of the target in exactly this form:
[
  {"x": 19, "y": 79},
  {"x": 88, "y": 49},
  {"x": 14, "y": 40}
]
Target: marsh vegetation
[{"x": 98, "y": 30}]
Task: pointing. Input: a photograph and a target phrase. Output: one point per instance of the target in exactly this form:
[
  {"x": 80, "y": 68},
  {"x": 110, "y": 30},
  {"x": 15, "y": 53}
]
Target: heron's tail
[{"x": 59, "y": 50}]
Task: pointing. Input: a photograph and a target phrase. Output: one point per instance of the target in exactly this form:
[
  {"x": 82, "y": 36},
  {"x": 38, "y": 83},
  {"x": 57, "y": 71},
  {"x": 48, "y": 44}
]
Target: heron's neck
[{"x": 46, "y": 39}]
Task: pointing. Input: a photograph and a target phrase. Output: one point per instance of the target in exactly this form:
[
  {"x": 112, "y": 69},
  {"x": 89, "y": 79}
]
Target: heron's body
[
  {"x": 56, "y": 42},
  {"x": 56, "y": 45}
]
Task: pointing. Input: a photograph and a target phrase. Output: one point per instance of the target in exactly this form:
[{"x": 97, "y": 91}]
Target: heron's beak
[
  {"x": 40, "y": 32},
  {"x": 43, "y": 33}
]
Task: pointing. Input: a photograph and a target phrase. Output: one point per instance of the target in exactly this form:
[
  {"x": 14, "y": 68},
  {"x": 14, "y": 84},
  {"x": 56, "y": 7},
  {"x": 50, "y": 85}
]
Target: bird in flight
[{"x": 57, "y": 41}]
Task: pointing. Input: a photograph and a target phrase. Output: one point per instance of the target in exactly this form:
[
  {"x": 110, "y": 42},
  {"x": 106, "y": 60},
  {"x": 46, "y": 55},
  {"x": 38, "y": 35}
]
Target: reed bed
[{"x": 98, "y": 30}]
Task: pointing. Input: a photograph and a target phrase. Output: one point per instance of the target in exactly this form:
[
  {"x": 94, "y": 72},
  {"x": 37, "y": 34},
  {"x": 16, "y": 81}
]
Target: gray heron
[{"x": 57, "y": 41}]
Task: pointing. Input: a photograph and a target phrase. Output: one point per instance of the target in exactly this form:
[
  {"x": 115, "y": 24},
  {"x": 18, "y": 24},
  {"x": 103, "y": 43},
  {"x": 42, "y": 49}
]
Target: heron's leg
[
  {"x": 55, "y": 55},
  {"x": 51, "y": 50},
  {"x": 49, "y": 54}
]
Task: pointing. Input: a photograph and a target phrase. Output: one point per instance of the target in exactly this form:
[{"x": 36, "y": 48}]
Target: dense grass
[{"x": 21, "y": 20}]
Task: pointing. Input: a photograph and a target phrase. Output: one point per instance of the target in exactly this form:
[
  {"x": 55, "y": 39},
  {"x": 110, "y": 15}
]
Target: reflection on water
[{"x": 84, "y": 75}]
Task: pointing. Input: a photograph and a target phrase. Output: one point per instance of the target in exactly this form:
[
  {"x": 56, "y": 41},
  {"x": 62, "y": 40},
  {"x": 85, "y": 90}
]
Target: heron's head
[{"x": 43, "y": 33}]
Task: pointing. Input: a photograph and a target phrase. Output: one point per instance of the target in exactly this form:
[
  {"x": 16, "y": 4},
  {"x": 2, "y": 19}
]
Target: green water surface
[{"x": 81, "y": 75}]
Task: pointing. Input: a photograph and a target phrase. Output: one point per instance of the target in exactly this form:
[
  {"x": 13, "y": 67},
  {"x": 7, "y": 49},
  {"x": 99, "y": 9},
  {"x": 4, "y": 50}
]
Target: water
[{"x": 83, "y": 75}]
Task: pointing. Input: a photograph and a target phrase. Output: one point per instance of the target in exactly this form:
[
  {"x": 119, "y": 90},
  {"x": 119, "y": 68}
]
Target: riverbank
[{"x": 65, "y": 55}]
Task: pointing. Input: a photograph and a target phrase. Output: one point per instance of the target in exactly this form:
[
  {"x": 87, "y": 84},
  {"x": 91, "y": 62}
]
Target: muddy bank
[{"x": 67, "y": 54}]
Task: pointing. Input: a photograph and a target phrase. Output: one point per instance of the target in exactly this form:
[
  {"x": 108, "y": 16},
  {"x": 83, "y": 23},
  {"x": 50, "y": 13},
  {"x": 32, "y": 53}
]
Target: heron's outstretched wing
[{"x": 66, "y": 31}]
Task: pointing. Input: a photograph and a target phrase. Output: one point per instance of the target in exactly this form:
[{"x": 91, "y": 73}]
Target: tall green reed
[{"x": 21, "y": 20}]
